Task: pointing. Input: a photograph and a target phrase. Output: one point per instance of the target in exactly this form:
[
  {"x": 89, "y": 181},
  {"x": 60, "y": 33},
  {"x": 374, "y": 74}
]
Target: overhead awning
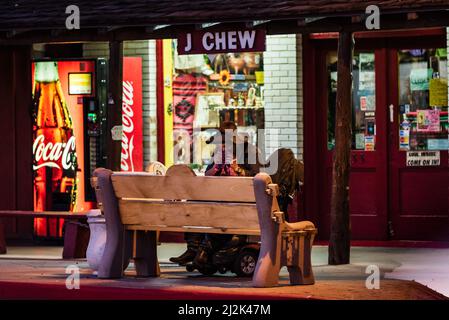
[{"x": 131, "y": 19}]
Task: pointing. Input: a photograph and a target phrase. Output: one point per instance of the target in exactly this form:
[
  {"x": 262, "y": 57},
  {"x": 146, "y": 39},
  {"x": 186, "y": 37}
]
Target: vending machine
[
  {"x": 69, "y": 107},
  {"x": 70, "y": 103}
]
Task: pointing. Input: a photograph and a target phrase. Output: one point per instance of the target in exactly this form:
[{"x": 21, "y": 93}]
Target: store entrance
[
  {"x": 399, "y": 165},
  {"x": 418, "y": 148}
]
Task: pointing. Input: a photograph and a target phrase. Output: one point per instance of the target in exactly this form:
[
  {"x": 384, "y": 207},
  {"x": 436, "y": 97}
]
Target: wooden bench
[
  {"x": 137, "y": 205},
  {"x": 75, "y": 242}
]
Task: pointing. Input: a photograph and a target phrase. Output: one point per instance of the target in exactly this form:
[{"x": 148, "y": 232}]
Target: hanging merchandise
[{"x": 186, "y": 87}]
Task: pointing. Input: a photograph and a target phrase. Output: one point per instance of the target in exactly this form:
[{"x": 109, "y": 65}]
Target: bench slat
[
  {"x": 227, "y": 189},
  {"x": 42, "y": 214},
  {"x": 180, "y": 214},
  {"x": 251, "y": 232}
]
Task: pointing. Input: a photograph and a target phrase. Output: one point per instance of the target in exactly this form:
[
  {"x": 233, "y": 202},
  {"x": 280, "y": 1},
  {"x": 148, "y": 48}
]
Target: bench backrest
[{"x": 182, "y": 200}]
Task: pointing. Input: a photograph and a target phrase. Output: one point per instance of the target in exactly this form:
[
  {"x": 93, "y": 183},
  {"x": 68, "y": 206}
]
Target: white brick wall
[
  {"x": 283, "y": 93},
  {"x": 147, "y": 50},
  {"x": 151, "y": 153}
]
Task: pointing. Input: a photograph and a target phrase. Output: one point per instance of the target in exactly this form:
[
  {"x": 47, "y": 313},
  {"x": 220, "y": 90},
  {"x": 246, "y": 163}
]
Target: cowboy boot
[
  {"x": 193, "y": 243},
  {"x": 204, "y": 252}
]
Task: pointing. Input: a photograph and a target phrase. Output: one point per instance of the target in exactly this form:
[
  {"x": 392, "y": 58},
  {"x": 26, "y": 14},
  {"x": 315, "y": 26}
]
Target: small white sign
[
  {"x": 423, "y": 158},
  {"x": 116, "y": 133}
]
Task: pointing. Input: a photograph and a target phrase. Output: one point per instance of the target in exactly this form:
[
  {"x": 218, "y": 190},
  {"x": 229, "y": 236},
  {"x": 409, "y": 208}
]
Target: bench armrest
[{"x": 300, "y": 226}]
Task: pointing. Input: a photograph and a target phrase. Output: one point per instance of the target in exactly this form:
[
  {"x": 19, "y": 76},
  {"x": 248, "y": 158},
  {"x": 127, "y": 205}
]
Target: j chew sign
[
  {"x": 201, "y": 42},
  {"x": 423, "y": 158}
]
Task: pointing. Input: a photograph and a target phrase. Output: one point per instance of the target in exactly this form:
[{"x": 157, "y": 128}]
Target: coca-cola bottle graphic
[{"x": 54, "y": 149}]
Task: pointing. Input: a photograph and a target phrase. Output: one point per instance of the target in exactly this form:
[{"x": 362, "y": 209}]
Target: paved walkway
[
  {"x": 426, "y": 266},
  {"x": 429, "y": 267}
]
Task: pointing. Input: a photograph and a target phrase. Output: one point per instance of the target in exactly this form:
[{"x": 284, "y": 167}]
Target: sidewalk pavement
[
  {"x": 429, "y": 267},
  {"x": 426, "y": 266}
]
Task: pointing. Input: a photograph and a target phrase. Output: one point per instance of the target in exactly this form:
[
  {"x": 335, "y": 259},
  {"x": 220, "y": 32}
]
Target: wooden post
[
  {"x": 339, "y": 243},
  {"x": 114, "y": 103},
  {"x": 2, "y": 238}
]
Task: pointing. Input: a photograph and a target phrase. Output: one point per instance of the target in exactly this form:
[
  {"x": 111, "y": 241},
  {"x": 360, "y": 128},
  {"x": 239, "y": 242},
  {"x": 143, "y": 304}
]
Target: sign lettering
[
  {"x": 423, "y": 158},
  {"x": 201, "y": 42},
  {"x": 131, "y": 130},
  {"x": 52, "y": 154}
]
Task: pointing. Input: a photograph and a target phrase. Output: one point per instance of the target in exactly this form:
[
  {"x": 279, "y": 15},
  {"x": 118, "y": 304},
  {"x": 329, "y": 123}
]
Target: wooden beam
[
  {"x": 393, "y": 21},
  {"x": 14, "y": 32},
  {"x": 160, "y": 26},
  {"x": 105, "y": 30},
  {"x": 203, "y": 26},
  {"x": 114, "y": 111},
  {"x": 160, "y": 102},
  {"x": 255, "y": 23},
  {"x": 339, "y": 243}
]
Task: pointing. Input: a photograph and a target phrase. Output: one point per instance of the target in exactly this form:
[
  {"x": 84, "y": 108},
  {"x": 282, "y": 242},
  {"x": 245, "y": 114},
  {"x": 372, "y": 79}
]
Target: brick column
[{"x": 283, "y": 92}]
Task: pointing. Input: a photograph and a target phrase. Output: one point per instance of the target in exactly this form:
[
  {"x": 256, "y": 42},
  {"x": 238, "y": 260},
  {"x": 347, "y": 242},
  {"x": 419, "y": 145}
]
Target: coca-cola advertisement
[
  {"x": 63, "y": 159},
  {"x": 58, "y": 159},
  {"x": 132, "y": 140}
]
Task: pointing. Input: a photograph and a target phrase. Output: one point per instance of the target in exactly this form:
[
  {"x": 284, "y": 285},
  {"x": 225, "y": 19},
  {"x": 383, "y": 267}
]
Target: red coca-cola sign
[{"x": 132, "y": 140}]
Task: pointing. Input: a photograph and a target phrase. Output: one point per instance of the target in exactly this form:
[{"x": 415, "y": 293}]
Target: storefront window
[
  {"x": 209, "y": 89},
  {"x": 423, "y": 120},
  {"x": 363, "y": 101}
]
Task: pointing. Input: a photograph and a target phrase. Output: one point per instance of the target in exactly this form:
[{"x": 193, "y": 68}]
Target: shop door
[
  {"x": 418, "y": 142},
  {"x": 368, "y": 183}
]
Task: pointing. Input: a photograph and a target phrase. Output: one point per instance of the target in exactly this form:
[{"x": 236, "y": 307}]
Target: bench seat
[{"x": 137, "y": 205}]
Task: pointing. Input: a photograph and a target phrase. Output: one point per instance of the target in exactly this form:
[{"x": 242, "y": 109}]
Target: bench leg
[
  {"x": 269, "y": 262},
  {"x": 115, "y": 256},
  {"x": 301, "y": 271},
  {"x": 113, "y": 262},
  {"x": 76, "y": 239},
  {"x": 145, "y": 254},
  {"x": 2, "y": 238}
]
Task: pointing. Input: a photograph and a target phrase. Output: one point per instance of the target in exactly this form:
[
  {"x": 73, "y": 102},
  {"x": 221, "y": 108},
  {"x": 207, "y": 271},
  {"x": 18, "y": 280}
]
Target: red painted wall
[{"x": 16, "y": 187}]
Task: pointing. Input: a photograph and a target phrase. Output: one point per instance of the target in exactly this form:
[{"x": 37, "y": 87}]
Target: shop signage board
[
  {"x": 423, "y": 158},
  {"x": 207, "y": 42}
]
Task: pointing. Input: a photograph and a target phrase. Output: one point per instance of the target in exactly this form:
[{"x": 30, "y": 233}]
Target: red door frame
[
  {"x": 160, "y": 110},
  {"x": 315, "y": 113},
  {"x": 315, "y": 137}
]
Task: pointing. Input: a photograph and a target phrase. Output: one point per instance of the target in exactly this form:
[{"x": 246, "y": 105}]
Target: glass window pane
[
  {"x": 208, "y": 90},
  {"x": 423, "y": 122},
  {"x": 363, "y": 101}
]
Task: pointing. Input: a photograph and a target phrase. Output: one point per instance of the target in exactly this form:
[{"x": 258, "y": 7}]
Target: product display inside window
[
  {"x": 363, "y": 101},
  {"x": 208, "y": 90},
  {"x": 423, "y": 100}
]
